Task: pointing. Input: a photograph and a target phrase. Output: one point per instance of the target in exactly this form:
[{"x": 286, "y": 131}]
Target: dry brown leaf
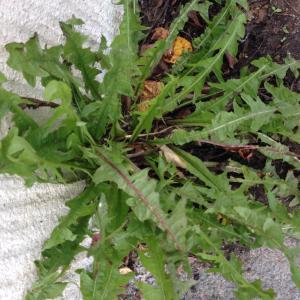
[
  {"x": 151, "y": 90},
  {"x": 180, "y": 46},
  {"x": 160, "y": 33}
]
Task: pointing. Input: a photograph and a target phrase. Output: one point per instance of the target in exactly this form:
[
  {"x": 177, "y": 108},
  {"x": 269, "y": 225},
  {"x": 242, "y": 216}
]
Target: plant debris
[{"x": 180, "y": 46}]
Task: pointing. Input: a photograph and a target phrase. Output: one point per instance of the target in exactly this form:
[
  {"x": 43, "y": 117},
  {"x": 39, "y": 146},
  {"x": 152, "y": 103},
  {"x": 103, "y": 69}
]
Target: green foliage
[
  {"x": 166, "y": 204},
  {"x": 80, "y": 57},
  {"x": 122, "y": 70},
  {"x": 2, "y": 78},
  {"x": 108, "y": 283},
  {"x": 153, "y": 259}
]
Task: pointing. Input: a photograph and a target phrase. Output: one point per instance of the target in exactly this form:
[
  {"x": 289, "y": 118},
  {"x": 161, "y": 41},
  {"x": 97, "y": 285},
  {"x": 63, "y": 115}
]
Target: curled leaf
[
  {"x": 172, "y": 157},
  {"x": 151, "y": 90}
]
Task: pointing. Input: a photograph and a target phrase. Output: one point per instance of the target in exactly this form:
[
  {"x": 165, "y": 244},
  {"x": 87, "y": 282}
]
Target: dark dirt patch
[
  {"x": 161, "y": 13},
  {"x": 273, "y": 29}
]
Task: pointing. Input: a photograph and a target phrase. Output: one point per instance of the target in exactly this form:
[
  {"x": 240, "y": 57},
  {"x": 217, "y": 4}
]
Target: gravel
[
  {"x": 269, "y": 265},
  {"x": 266, "y": 264}
]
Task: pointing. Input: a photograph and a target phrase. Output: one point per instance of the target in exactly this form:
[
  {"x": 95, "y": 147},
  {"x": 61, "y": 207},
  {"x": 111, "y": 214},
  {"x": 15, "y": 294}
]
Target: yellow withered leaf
[
  {"x": 151, "y": 89},
  {"x": 180, "y": 46}
]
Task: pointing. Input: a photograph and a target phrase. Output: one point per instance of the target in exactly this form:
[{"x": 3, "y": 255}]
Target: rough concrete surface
[
  {"x": 20, "y": 19},
  {"x": 268, "y": 265},
  {"x": 27, "y": 216},
  {"x": 27, "y": 219}
]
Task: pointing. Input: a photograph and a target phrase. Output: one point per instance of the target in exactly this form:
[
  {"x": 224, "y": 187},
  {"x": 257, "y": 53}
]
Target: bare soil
[{"x": 273, "y": 29}]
